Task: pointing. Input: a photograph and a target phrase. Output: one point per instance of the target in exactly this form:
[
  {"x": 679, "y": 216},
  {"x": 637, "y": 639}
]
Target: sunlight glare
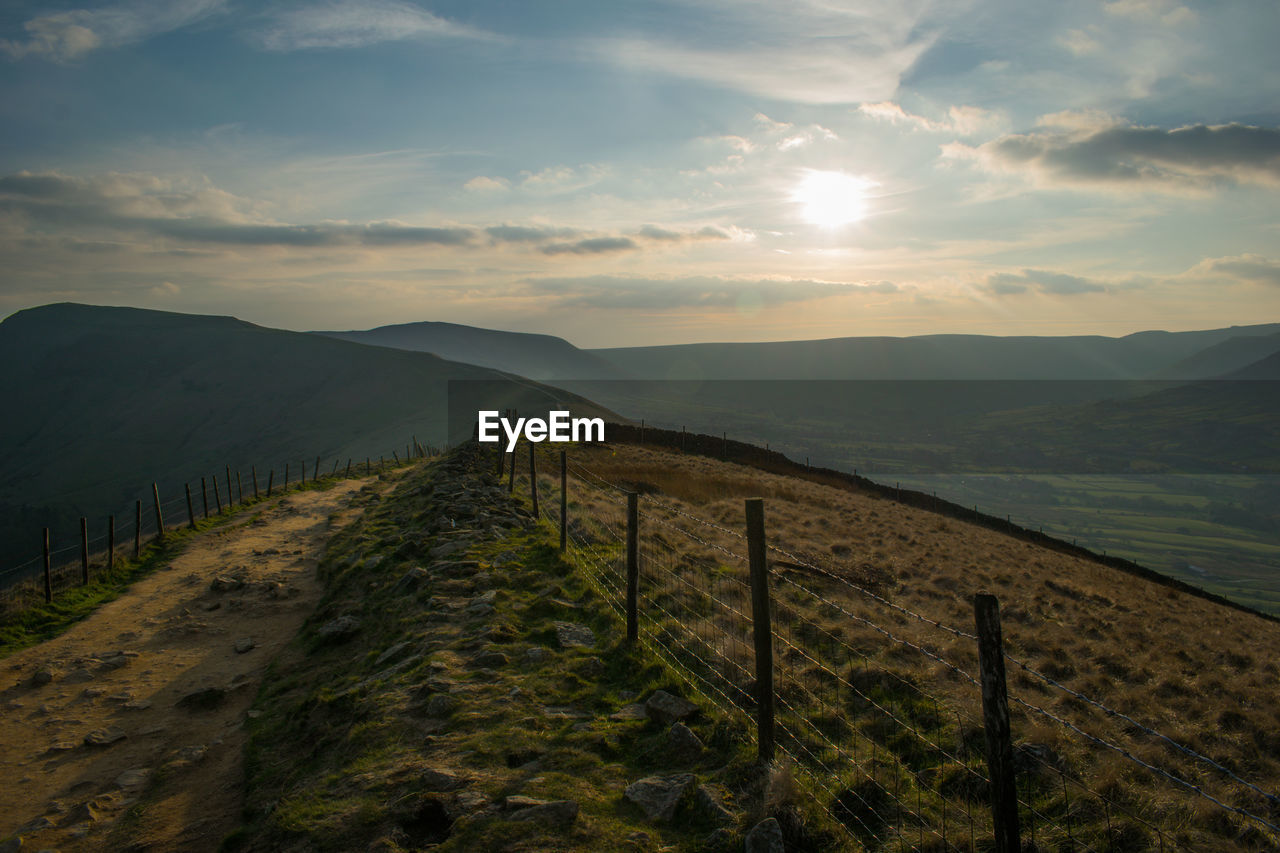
[{"x": 832, "y": 199}]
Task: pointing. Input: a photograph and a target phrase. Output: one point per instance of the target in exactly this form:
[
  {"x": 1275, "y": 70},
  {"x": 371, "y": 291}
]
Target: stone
[
  {"x": 193, "y": 753},
  {"x": 203, "y": 700},
  {"x": 627, "y": 713},
  {"x": 556, "y": 813},
  {"x": 765, "y": 837},
  {"x": 572, "y": 635},
  {"x": 42, "y": 676},
  {"x": 225, "y": 583},
  {"x": 592, "y": 668},
  {"x": 80, "y": 813},
  {"x": 137, "y": 705},
  {"x": 440, "y": 705},
  {"x": 682, "y": 743},
  {"x": 104, "y": 737},
  {"x": 448, "y": 549},
  {"x": 135, "y": 778},
  {"x": 411, "y": 579},
  {"x": 440, "y": 781},
  {"x": 342, "y": 628},
  {"x": 709, "y": 804},
  {"x": 659, "y": 796},
  {"x": 245, "y": 644},
  {"x": 486, "y": 597},
  {"x": 488, "y": 660},
  {"x": 667, "y": 709},
  {"x": 537, "y": 655},
  {"x": 391, "y": 653},
  {"x": 78, "y": 676}
]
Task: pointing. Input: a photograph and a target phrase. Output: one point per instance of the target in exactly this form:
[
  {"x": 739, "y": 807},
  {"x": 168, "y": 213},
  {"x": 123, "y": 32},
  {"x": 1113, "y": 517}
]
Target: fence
[
  {"x": 62, "y": 568},
  {"x": 900, "y": 725}
]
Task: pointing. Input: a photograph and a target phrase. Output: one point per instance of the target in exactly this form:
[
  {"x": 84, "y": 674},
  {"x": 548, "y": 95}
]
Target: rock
[
  {"x": 193, "y": 753},
  {"x": 439, "y": 781},
  {"x": 470, "y": 801},
  {"x": 225, "y": 583},
  {"x": 411, "y": 579},
  {"x": 115, "y": 661},
  {"x": 537, "y": 655},
  {"x": 137, "y": 705},
  {"x": 448, "y": 549},
  {"x": 78, "y": 676},
  {"x": 245, "y": 644},
  {"x": 80, "y": 813},
  {"x": 42, "y": 676},
  {"x": 571, "y": 635},
  {"x": 485, "y": 597},
  {"x": 488, "y": 660},
  {"x": 342, "y": 628},
  {"x": 765, "y": 837},
  {"x": 556, "y": 813},
  {"x": 668, "y": 709},
  {"x": 709, "y": 804},
  {"x": 440, "y": 705},
  {"x": 592, "y": 668},
  {"x": 135, "y": 778},
  {"x": 373, "y": 562},
  {"x": 12, "y": 845},
  {"x": 682, "y": 743},
  {"x": 627, "y": 713},
  {"x": 104, "y": 737},
  {"x": 659, "y": 796},
  {"x": 203, "y": 700}
]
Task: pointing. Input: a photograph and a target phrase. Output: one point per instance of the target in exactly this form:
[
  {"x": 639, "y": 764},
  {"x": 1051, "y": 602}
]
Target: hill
[
  {"x": 932, "y": 357},
  {"x": 103, "y": 401},
  {"x": 534, "y": 356},
  {"x": 1225, "y": 357},
  {"x": 1264, "y": 369}
]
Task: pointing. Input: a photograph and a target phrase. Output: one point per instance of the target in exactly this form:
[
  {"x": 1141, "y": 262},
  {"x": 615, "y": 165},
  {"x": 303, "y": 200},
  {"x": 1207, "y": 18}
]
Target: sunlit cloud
[
  {"x": 705, "y": 292},
  {"x": 354, "y": 24},
  {"x": 65, "y": 36}
]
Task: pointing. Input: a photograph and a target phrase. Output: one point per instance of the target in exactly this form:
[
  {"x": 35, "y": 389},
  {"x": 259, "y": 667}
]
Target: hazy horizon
[{"x": 664, "y": 172}]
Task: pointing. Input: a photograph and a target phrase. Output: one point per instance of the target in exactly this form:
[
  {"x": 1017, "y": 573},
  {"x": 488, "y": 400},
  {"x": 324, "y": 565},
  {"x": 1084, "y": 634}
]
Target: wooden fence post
[
  {"x": 84, "y": 551},
  {"x": 231, "y": 496},
  {"x": 155, "y": 494},
  {"x": 285, "y": 487},
  {"x": 368, "y": 466},
  {"x": 111, "y": 543},
  {"x": 191, "y": 513},
  {"x": 511, "y": 475},
  {"x": 302, "y": 474},
  {"x": 682, "y": 437},
  {"x": 533, "y": 480},
  {"x": 642, "y": 431},
  {"x": 396, "y": 456},
  {"x": 204, "y": 496},
  {"x": 348, "y": 474},
  {"x": 137, "y": 529},
  {"x": 316, "y": 473},
  {"x": 253, "y": 473},
  {"x": 501, "y": 456},
  {"x": 271, "y": 475},
  {"x": 995, "y": 723},
  {"x": 217, "y": 495},
  {"x": 48, "y": 582},
  {"x": 564, "y": 500},
  {"x": 633, "y": 566},
  {"x": 239, "y": 488},
  {"x": 761, "y": 628}
]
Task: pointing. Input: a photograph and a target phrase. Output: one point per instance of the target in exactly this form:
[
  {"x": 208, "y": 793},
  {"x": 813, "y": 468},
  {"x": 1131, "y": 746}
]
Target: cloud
[
  {"x": 1082, "y": 150},
  {"x": 528, "y": 233},
  {"x": 809, "y": 51},
  {"x": 1044, "y": 281},
  {"x": 711, "y": 292},
  {"x": 1166, "y": 12},
  {"x": 356, "y": 23},
  {"x": 1253, "y": 269},
  {"x": 484, "y": 183},
  {"x": 666, "y": 235},
  {"x": 65, "y": 36},
  {"x": 592, "y": 246},
  {"x": 963, "y": 120}
]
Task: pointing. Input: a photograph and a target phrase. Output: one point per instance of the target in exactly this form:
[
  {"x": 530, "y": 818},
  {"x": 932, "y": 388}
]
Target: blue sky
[{"x": 648, "y": 172}]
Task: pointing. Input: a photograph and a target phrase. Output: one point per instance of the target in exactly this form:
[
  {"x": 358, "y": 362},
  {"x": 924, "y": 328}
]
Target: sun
[{"x": 832, "y": 199}]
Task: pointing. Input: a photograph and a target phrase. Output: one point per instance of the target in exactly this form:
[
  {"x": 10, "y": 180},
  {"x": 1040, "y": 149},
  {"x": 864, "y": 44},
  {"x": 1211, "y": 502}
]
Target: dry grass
[{"x": 1201, "y": 673}]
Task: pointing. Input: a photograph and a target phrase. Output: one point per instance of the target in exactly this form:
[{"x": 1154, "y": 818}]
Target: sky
[{"x": 648, "y": 172}]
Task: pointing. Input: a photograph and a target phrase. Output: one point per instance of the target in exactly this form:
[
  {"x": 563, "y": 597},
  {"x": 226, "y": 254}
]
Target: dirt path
[{"x": 147, "y": 697}]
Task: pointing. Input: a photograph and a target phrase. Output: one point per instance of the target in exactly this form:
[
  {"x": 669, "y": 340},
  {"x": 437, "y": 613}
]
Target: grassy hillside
[
  {"x": 1230, "y": 355},
  {"x": 534, "y": 356},
  {"x": 931, "y": 357},
  {"x": 100, "y": 402}
]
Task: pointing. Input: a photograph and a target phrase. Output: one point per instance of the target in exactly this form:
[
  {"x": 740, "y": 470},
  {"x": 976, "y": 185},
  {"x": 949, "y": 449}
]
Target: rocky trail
[{"x": 144, "y": 702}]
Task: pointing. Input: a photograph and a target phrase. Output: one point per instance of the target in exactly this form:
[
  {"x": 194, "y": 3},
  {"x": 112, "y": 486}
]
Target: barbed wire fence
[
  {"x": 897, "y": 760},
  {"x": 125, "y": 537}
]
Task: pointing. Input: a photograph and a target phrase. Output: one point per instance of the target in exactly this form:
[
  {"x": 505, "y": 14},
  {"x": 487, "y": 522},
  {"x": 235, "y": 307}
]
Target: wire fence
[
  {"x": 114, "y": 540},
  {"x": 880, "y": 708}
]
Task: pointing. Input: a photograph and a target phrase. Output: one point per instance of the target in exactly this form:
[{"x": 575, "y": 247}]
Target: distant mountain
[
  {"x": 534, "y": 356},
  {"x": 1267, "y": 369},
  {"x": 1138, "y": 356},
  {"x": 1225, "y": 357},
  {"x": 100, "y": 402}
]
